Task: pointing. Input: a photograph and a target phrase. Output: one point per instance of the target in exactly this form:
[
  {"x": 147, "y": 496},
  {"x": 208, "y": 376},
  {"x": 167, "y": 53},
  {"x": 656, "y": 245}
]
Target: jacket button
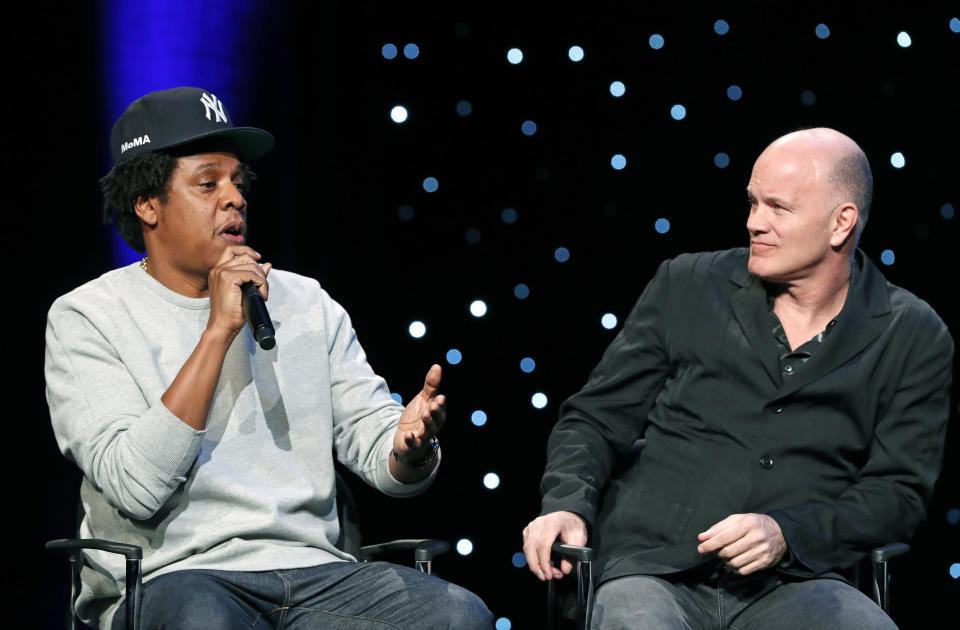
[{"x": 766, "y": 462}]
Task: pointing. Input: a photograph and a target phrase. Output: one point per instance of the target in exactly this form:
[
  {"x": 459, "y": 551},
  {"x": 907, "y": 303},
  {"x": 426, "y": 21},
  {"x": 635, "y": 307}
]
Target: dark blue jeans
[
  {"x": 343, "y": 595},
  {"x": 724, "y": 600}
]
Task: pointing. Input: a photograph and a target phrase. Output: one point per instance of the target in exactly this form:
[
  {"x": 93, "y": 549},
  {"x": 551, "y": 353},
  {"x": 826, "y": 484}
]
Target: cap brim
[{"x": 248, "y": 143}]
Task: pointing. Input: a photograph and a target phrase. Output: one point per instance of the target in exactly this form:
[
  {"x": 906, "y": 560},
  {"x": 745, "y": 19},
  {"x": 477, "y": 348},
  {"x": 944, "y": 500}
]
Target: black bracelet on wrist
[{"x": 424, "y": 461}]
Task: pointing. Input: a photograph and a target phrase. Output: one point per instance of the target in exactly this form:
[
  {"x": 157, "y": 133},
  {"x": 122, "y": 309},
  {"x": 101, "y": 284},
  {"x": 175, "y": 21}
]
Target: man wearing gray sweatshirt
[{"x": 212, "y": 454}]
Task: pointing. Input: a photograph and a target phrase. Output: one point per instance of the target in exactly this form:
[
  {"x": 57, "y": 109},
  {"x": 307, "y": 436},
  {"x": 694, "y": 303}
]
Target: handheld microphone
[{"x": 255, "y": 312}]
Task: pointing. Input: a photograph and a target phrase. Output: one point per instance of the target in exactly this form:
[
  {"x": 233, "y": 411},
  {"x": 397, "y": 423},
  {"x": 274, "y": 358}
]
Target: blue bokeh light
[
  {"x": 662, "y": 226},
  {"x": 397, "y": 397},
  {"x": 807, "y": 97},
  {"x": 454, "y": 356},
  {"x": 946, "y": 211},
  {"x": 618, "y": 162},
  {"x": 656, "y": 41},
  {"x": 464, "y": 546},
  {"x": 897, "y": 160},
  {"x": 903, "y": 39},
  {"x": 955, "y": 25},
  {"x": 527, "y": 365},
  {"x": 678, "y": 112},
  {"x": 528, "y": 128},
  {"x": 491, "y": 481},
  {"x": 389, "y": 51},
  {"x": 521, "y": 291},
  {"x": 561, "y": 254},
  {"x": 508, "y": 216},
  {"x": 539, "y": 400},
  {"x": 887, "y": 257},
  {"x": 822, "y": 31},
  {"x": 608, "y": 321},
  {"x": 618, "y": 89},
  {"x": 519, "y": 560},
  {"x": 514, "y": 56},
  {"x": 955, "y": 570},
  {"x": 575, "y": 53},
  {"x": 464, "y": 108},
  {"x": 411, "y": 51},
  {"x": 953, "y": 516},
  {"x": 734, "y": 93},
  {"x": 503, "y": 624},
  {"x": 478, "y": 418},
  {"x": 721, "y": 160},
  {"x": 430, "y": 184},
  {"x": 721, "y": 27},
  {"x": 405, "y": 212}
]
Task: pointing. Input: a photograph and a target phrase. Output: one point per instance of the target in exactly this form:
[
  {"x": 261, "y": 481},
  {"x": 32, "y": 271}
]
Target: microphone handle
[{"x": 255, "y": 312}]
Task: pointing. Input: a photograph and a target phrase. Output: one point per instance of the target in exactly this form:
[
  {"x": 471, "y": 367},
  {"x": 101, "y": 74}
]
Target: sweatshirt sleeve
[
  {"x": 365, "y": 417},
  {"x": 134, "y": 452}
]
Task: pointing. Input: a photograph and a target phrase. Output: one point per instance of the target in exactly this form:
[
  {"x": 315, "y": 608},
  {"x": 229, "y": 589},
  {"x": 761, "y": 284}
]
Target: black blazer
[{"x": 843, "y": 453}]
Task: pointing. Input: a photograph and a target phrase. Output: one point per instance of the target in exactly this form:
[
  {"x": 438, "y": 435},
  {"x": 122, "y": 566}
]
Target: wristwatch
[{"x": 424, "y": 461}]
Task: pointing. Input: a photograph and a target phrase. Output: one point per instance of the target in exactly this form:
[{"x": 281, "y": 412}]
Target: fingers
[
  {"x": 747, "y": 542},
  {"x": 542, "y": 532},
  {"x": 231, "y": 252},
  {"x": 721, "y": 534},
  {"x": 432, "y": 382},
  {"x": 239, "y": 264}
]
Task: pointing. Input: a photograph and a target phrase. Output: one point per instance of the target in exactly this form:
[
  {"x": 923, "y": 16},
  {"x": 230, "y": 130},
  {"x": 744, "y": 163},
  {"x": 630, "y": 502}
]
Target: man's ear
[
  {"x": 844, "y": 224},
  {"x": 147, "y": 208}
]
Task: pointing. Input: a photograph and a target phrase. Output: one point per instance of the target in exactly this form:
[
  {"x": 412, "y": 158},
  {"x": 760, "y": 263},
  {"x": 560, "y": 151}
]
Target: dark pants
[
  {"x": 723, "y": 600},
  {"x": 345, "y": 595}
]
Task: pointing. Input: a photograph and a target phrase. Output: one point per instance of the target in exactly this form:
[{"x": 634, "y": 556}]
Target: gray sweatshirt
[{"x": 255, "y": 490}]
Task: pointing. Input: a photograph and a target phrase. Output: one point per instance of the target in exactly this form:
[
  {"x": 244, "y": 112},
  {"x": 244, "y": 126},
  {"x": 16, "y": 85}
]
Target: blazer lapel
[
  {"x": 862, "y": 319},
  {"x": 749, "y": 305}
]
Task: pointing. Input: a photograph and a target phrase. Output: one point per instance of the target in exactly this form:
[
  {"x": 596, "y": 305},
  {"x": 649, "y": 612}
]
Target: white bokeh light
[
  {"x": 398, "y": 114},
  {"x": 417, "y": 329},
  {"x": 539, "y": 400}
]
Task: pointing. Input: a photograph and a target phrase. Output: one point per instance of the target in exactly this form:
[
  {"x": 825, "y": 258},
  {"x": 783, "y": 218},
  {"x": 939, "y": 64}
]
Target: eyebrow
[
  {"x": 239, "y": 170},
  {"x": 771, "y": 198}
]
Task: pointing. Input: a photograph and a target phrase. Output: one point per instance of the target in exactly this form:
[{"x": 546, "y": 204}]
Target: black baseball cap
[{"x": 180, "y": 118}]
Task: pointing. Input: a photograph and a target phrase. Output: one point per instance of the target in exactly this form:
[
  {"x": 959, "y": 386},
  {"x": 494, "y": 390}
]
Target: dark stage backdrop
[{"x": 523, "y": 157}]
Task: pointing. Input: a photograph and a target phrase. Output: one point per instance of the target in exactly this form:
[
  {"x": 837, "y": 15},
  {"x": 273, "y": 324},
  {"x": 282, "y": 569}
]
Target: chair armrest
[
  {"x": 134, "y": 580},
  {"x": 882, "y": 554},
  {"x": 583, "y": 554},
  {"x": 424, "y": 549},
  {"x": 73, "y": 545}
]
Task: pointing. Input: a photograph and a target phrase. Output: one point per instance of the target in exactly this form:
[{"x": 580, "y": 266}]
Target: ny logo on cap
[{"x": 210, "y": 102}]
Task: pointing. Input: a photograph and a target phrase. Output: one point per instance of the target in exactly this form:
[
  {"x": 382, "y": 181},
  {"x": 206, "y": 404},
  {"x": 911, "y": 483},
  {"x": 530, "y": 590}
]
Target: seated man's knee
[
  {"x": 636, "y": 602},
  {"x": 461, "y": 609},
  {"x": 193, "y": 600}
]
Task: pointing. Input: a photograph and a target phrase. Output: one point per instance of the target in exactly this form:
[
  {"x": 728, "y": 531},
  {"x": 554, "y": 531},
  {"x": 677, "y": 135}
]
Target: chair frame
[
  {"x": 424, "y": 551},
  {"x": 583, "y": 557}
]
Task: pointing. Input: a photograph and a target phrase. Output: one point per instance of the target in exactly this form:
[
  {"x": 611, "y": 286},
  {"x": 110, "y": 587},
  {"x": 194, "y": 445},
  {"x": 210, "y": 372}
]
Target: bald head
[{"x": 840, "y": 164}]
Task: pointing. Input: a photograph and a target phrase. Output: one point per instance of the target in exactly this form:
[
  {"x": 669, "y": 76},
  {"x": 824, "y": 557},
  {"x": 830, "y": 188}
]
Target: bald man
[{"x": 792, "y": 405}]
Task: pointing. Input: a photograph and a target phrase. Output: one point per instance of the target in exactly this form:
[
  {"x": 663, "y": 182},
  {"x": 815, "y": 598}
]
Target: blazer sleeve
[
  {"x": 888, "y": 499},
  {"x": 605, "y": 418}
]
